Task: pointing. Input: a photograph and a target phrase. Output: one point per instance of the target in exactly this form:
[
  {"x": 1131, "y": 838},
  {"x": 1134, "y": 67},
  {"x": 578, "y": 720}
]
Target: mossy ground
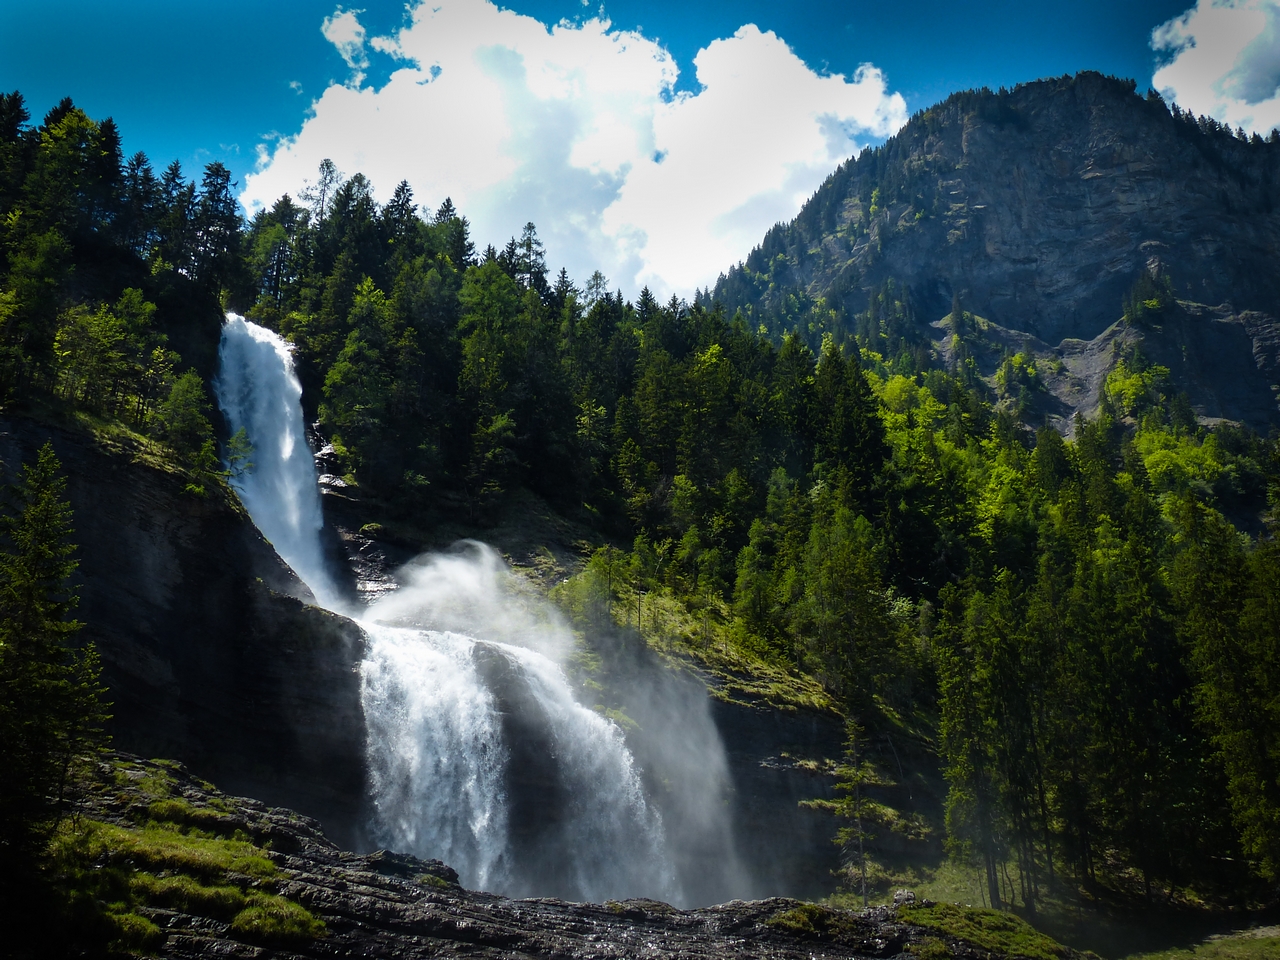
[
  {"x": 812, "y": 920},
  {"x": 990, "y": 929},
  {"x": 1250, "y": 945},
  {"x": 109, "y": 882},
  {"x": 1109, "y": 919}
]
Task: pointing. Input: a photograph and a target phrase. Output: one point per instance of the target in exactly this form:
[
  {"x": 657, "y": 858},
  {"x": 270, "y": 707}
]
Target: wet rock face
[
  {"x": 208, "y": 653},
  {"x": 788, "y": 847},
  {"x": 537, "y": 801}
]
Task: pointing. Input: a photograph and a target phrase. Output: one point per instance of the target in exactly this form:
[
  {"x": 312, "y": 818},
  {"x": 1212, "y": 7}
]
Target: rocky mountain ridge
[{"x": 1037, "y": 209}]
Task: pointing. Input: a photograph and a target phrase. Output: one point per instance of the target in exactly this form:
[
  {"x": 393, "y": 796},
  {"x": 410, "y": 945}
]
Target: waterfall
[
  {"x": 479, "y": 754},
  {"x": 436, "y": 756},
  {"x": 259, "y": 393}
]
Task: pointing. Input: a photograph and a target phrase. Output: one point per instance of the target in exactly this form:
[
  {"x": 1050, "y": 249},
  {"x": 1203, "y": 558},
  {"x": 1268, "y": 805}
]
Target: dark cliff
[
  {"x": 1040, "y": 208},
  {"x": 208, "y": 655}
]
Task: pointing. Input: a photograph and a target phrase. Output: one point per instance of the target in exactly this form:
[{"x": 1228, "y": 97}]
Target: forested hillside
[{"x": 1087, "y": 630}]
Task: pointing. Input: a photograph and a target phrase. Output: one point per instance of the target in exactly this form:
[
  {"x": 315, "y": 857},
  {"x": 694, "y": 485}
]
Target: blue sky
[
  {"x": 204, "y": 80},
  {"x": 200, "y": 81}
]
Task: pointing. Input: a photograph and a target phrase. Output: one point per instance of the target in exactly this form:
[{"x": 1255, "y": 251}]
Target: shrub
[{"x": 274, "y": 921}]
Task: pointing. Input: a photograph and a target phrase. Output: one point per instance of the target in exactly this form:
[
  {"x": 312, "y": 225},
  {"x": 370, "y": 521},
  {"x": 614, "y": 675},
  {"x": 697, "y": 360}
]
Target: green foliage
[
  {"x": 98, "y": 259},
  {"x": 189, "y": 895},
  {"x": 182, "y": 419},
  {"x": 986, "y": 929},
  {"x": 1133, "y": 387},
  {"x": 275, "y": 921},
  {"x": 1148, "y": 299},
  {"x": 163, "y": 846},
  {"x": 238, "y": 452},
  {"x": 106, "y": 873},
  {"x": 1228, "y": 600},
  {"x": 436, "y": 883},
  {"x": 1017, "y": 381},
  {"x": 811, "y": 920},
  {"x": 853, "y": 778},
  {"x": 1241, "y": 947},
  {"x": 930, "y": 948}
]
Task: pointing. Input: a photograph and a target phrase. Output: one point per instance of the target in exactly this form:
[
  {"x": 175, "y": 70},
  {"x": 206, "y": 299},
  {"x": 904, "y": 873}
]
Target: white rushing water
[
  {"x": 259, "y": 393},
  {"x": 479, "y": 754},
  {"x": 435, "y": 752}
]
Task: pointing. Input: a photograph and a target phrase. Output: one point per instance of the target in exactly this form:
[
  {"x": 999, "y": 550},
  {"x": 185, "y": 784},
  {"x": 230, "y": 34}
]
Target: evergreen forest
[{"x": 1085, "y": 631}]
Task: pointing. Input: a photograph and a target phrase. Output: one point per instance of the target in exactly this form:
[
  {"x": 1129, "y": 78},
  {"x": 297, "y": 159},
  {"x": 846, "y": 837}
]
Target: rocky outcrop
[
  {"x": 210, "y": 650},
  {"x": 1040, "y": 207},
  {"x": 393, "y": 906},
  {"x": 1226, "y": 362}
]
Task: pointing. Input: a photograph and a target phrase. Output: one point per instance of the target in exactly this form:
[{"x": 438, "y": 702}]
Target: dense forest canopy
[{"x": 1088, "y": 629}]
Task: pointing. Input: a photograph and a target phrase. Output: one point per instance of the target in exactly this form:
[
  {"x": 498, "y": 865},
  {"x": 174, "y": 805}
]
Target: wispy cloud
[
  {"x": 346, "y": 33},
  {"x": 1224, "y": 61},
  {"x": 579, "y": 128}
]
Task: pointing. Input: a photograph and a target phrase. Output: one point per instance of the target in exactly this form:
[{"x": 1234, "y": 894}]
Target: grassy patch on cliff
[
  {"x": 704, "y": 640},
  {"x": 989, "y": 929},
  {"x": 112, "y": 879}
]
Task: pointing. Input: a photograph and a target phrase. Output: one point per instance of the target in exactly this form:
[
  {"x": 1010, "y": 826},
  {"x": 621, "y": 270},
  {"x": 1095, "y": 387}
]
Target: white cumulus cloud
[
  {"x": 1224, "y": 61},
  {"x": 578, "y": 128}
]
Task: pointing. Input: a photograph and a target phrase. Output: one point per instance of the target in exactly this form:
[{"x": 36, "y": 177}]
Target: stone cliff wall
[
  {"x": 210, "y": 656},
  {"x": 776, "y": 760}
]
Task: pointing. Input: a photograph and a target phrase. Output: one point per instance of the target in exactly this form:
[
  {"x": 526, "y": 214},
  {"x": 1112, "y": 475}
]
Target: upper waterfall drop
[{"x": 258, "y": 391}]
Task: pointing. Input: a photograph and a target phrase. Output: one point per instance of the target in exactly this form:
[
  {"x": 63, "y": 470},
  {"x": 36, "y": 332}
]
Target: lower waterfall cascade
[{"x": 479, "y": 755}]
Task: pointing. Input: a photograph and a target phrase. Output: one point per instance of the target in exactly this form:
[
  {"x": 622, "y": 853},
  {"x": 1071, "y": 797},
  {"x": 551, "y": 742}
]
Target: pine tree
[
  {"x": 853, "y": 778},
  {"x": 51, "y": 701}
]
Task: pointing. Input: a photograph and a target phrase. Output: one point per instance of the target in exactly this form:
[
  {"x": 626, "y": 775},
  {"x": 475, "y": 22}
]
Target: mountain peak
[{"x": 1038, "y": 209}]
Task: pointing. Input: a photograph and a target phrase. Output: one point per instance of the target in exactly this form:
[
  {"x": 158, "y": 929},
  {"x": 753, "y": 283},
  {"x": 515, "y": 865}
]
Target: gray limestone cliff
[{"x": 1039, "y": 208}]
